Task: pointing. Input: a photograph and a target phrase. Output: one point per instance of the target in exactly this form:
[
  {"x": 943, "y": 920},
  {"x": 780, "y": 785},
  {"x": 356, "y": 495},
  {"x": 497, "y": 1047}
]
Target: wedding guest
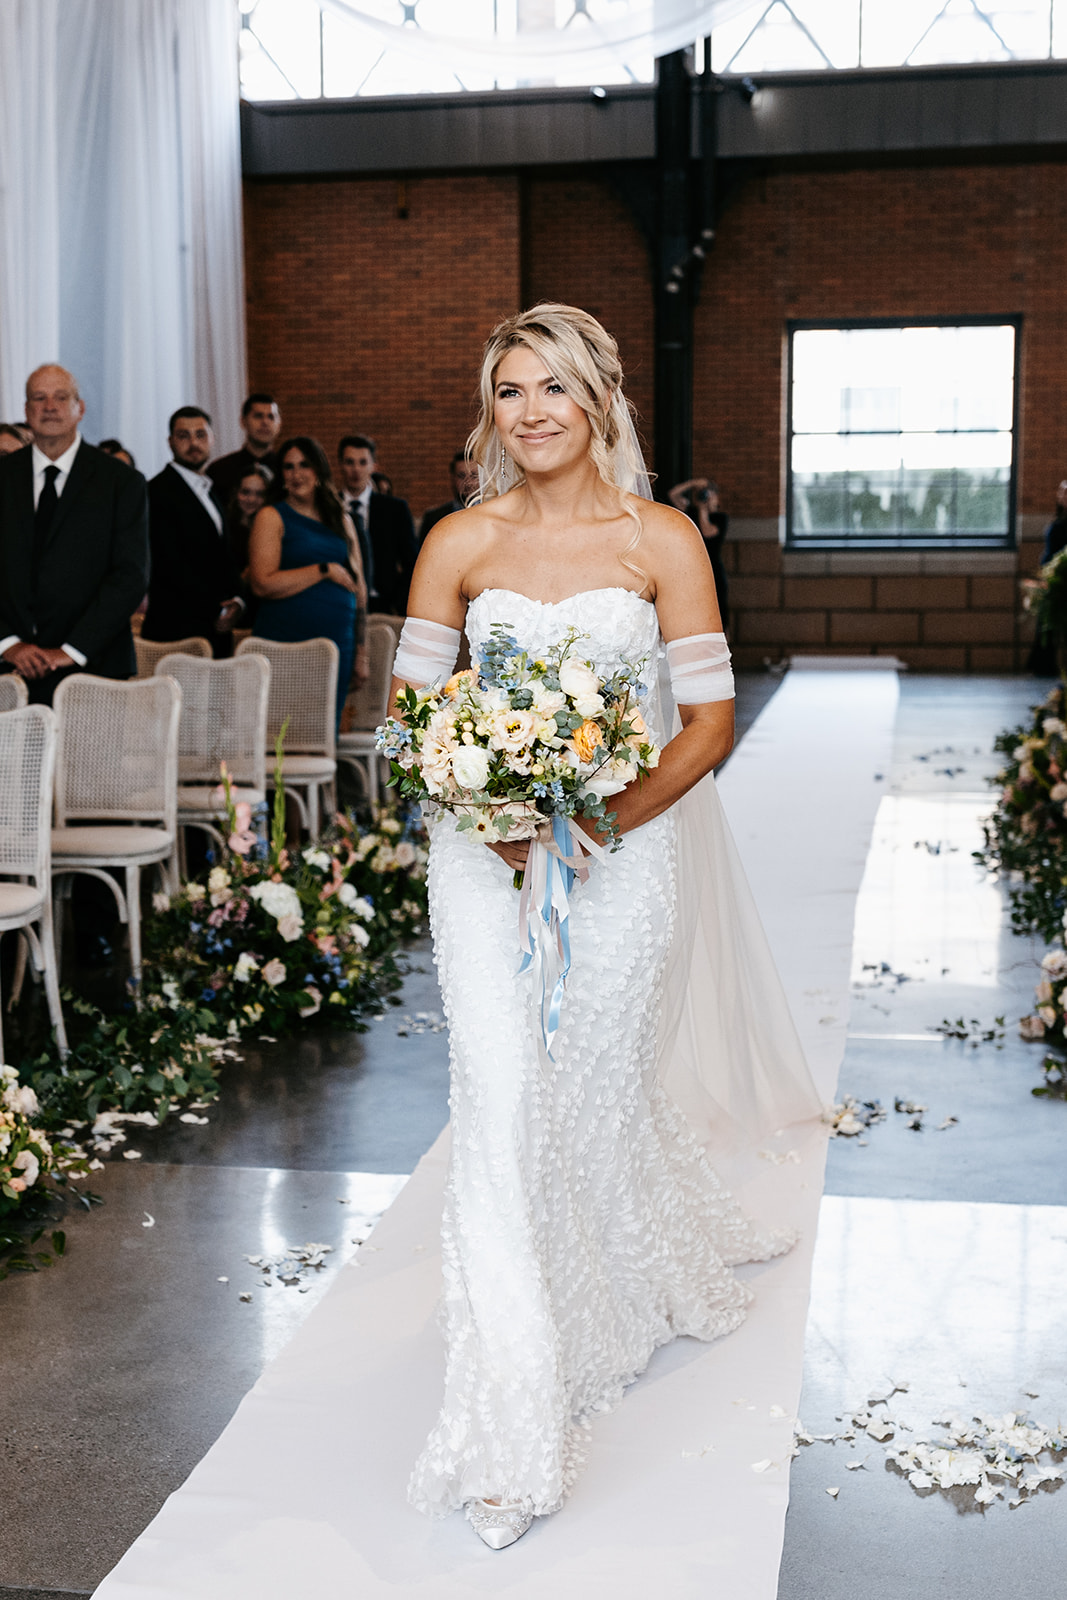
[
  {"x": 73, "y": 546},
  {"x": 262, "y": 424},
  {"x": 382, "y": 482},
  {"x": 246, "y": 502},
  {"x": 305, "y": 564},
  {"x": 194, "y": 584},
  {"x": 383, "y": 524},
  {"x": 13, "y": 437},
  {"x": 115, "y": 447},
  {"x": 699, "y": 499},
  {"x": 463, "y": 475},
  {"x": 1055, "y": 535}
]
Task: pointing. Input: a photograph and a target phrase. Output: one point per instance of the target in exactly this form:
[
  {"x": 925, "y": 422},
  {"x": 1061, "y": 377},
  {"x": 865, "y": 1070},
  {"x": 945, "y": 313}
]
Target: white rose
[
  {"x": 546, "y": 702},
  {"x": 347, "y": 895},
  {"x": 246, "y": 965},
  {"x": 317, "y": 858},
  {"x": 470, "y": 767},
  {"x": 160, "y": 901},
  {"x": 274, "y": 972},
  {"x": 609, "y": 780},
  {"x": 314, "y": 1002},
  {"x": 405, "y": 853},
  {"x": 1055, "y": 963},
  {"x": 358, "y": 934},
  {"x": 578, "y": 680},
  {"x": 218, "y": 878},
  {"x": 589, "y": 705},
  {"x": 363, "y": 908},
  {"x": 21, "y": 1099},
  {"x": 290, "y": 928},
  {"x": 27, "y": 1163}
]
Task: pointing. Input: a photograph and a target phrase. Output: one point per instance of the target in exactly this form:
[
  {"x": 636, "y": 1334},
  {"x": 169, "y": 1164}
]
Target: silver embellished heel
[{"x": 498, "y": 1526}]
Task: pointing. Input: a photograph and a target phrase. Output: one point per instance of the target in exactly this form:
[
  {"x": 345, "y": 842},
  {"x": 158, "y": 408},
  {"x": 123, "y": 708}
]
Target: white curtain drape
[
  {"x": 120, "y": 211},
  {"x": 644, "y": 29}
]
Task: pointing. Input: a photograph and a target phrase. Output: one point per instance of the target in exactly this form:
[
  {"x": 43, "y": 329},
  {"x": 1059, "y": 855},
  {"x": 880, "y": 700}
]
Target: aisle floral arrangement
[
  {"x": 272, "y": 939},
  {"x": 268, "y": 942},
  {"x": 1026, "y": 844},
  {"x": 1026, "y": 835}
]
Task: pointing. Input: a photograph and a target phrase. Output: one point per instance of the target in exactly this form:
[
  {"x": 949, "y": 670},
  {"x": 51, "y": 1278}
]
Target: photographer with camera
[{"x": 699, "y": 499}]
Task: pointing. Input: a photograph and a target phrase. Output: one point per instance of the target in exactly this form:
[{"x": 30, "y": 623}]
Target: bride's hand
[{"x": 514, "y": 852}]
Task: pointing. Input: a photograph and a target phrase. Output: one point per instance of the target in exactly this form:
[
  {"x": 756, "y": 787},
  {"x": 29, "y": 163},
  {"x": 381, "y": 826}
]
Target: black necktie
[{"x": 44, "y": 515}]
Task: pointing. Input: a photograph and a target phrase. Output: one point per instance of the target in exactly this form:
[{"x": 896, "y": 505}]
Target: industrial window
[{"x": 901, "y": 435}]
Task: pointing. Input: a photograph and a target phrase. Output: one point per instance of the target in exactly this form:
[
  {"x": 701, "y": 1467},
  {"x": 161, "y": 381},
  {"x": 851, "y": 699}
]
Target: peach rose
[{"x": 585, "y": 740}]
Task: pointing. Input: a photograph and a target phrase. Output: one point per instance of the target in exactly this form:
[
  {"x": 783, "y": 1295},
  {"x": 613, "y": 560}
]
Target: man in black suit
[
  {"x": 194, "y": 586},
  {"x": 73, "y": 546},
  {"x": 384, "y": 525},
  {"x": 464, "y": 476},
  {"x": 262, "y": 424}
]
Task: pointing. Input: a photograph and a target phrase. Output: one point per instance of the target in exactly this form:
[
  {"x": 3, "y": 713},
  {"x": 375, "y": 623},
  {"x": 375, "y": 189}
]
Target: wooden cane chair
[
  {"x": 27, "y": 771},
  {"x": 368, "y": 706},
  {"x": 13, "y": 692},
  {"x": 117, "y": 775},
  {"x": 151, "y": 651},
  {"x": 224, "y": 719},
  {"x": 303, "y": 693}
]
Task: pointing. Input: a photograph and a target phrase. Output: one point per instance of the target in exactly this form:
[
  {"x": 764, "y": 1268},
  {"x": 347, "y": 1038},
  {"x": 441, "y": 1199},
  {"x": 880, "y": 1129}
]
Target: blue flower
[{"x": 207, "y": 994}]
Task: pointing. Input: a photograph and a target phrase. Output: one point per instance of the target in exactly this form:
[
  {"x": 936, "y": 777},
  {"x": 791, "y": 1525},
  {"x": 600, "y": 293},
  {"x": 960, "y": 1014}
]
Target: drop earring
[{"x": 503, "y": 460}]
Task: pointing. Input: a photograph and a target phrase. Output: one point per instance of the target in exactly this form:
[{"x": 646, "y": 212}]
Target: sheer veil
[{"x": 728, "y": 1049}]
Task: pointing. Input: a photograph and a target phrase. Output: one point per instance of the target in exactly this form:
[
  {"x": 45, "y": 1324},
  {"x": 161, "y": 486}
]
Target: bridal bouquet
[{"x": 521, "y": 741}]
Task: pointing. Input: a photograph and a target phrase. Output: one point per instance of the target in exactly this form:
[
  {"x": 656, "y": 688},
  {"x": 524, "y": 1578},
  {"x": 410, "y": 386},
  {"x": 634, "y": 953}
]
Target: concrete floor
[
  {"x": 124, "y": 1362},
  {"x": 941, "y": 1253}
]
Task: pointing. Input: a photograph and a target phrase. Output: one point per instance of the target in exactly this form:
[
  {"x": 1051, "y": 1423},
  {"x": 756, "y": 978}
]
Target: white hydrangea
[
  {"x": 279, "y": 900},
  {"x": 359, "y": 934},
  {"x": 317, "y": 858}
]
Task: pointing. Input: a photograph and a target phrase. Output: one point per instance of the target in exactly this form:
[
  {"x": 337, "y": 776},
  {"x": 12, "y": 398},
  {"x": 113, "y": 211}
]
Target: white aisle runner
[{"x": 304, "y": 1493}]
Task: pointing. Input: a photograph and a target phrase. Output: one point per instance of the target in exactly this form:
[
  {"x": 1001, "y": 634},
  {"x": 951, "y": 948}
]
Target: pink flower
[
  {"x": 217, "y": 917},
  {"x": 18, "y": 1184}
]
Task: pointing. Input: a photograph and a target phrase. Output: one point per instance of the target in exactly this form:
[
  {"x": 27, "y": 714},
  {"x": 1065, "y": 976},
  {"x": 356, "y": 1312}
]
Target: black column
[{"x": 673, "y": 286}]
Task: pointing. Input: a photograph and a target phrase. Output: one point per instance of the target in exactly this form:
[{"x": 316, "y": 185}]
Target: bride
[{"x": 583, "y": 1225}]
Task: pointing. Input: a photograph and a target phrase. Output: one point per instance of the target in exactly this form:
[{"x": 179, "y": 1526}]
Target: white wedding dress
[{"x": 583, "y": 1223}]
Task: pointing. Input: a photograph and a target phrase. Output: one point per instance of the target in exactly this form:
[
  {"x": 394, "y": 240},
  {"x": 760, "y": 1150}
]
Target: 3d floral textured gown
[{"x": 583, "y": 1225}]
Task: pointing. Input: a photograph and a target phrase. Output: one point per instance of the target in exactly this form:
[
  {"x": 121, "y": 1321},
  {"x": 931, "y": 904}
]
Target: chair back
[
  {"x": 224, "y": 718},
  {"x": 151, "y": 651},
  {"x": 13, "y": 692},
  {"x": 117, "y": 758},
  {"x": 368, "y": 706},
  {"x": 303, "y": 691},
  {"x": 27, "y": 770}
]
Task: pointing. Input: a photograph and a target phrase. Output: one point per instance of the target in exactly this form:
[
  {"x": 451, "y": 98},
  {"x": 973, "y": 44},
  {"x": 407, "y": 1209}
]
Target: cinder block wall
[{"x": 363, "y": 316}]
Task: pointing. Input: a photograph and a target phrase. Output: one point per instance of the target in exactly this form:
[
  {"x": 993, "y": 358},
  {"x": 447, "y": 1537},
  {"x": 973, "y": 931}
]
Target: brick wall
[{"x": 361, "y": 317}]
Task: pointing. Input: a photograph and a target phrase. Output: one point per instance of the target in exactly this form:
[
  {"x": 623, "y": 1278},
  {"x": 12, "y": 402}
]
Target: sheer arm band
[
  {"x": 427, "y": 652},
  {"x": 700, "y": 669}
]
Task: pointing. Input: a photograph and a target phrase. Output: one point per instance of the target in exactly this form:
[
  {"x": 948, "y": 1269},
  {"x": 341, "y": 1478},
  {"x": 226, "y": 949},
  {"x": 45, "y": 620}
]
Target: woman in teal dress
[{"x": 304, "y": 563}]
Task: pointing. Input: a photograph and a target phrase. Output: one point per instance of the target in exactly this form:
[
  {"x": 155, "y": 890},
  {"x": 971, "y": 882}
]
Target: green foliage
[{"x": 1026, "y": 835}]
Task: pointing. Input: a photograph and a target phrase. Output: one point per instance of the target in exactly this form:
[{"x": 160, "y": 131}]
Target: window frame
[{"x": 902, "y": 542}]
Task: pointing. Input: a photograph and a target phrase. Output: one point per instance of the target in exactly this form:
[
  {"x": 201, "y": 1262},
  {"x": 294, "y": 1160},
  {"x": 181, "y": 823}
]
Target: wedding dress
[{"x": 584, "y": 1224}]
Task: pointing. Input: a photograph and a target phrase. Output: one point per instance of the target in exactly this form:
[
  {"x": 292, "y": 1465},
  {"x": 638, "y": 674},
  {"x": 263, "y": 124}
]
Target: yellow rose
[{"x": 585, "y": 740}]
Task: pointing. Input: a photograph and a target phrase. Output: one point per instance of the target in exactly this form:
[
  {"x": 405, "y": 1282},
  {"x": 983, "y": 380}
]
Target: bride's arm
[
  {"x": 435, "y": 597},
  {"x": 686, "y": 605}
]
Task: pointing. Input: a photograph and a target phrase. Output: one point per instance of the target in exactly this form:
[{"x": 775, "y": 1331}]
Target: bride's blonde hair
[{"x": 584, "y": 359}]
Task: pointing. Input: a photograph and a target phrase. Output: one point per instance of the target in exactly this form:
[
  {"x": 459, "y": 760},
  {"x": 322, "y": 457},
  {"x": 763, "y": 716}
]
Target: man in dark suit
[
  {"x": 194, "y": 586},
  {"x": 262, "y": 424},
  {"x": 464, "y": 476},
  {"x": 73, "y": 546},
  {"x": 384, "y": 525}
]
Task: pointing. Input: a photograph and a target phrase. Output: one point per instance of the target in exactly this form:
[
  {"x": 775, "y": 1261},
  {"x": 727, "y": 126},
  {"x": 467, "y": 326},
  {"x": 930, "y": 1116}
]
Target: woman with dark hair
[
  {"x": 304, "y": 563},
  {"x": 116, "y": 448},
  {"x": 246, "y": 502}
]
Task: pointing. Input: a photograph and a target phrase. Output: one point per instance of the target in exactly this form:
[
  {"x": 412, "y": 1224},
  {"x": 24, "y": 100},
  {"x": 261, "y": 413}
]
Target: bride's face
[{"x": 542, "y": 428}]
